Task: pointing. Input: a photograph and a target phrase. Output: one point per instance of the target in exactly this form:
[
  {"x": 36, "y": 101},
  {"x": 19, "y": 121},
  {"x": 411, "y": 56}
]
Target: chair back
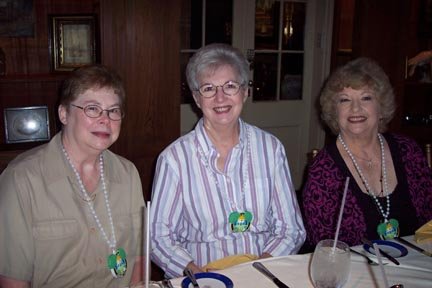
[{"x": 428, "y": 155}]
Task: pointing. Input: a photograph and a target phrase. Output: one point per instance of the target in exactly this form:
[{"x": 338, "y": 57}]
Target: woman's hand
[
  {"x": 6, "y": 282},
  {"x": 265, "y": 255},
  {"x": 194, "y": 268}
]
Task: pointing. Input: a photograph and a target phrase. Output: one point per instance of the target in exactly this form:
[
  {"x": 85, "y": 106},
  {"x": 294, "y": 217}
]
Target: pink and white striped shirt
[{"x": 192, "y": 200}]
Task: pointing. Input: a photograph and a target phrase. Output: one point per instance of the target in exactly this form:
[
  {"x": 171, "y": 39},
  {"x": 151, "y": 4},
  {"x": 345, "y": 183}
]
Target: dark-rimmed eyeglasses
[
  {"x": 230, "y": 88},
  {"x": 95, "y": 111}
]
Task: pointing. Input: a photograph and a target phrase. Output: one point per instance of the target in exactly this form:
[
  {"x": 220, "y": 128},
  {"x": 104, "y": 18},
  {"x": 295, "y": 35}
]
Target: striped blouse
[{"x": 192, "y": 200}]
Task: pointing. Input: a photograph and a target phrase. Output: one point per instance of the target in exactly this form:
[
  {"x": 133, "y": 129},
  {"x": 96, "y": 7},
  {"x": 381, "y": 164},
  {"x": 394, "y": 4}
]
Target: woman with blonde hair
[{"x": 390, "y": 191}]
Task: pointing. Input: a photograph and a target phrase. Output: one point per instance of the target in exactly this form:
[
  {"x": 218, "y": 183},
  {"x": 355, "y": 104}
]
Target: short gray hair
[{"x": 212, "y": 57}]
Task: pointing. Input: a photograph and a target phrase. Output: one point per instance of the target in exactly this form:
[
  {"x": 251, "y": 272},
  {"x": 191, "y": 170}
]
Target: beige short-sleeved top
[{"x": 48, "y": 234}]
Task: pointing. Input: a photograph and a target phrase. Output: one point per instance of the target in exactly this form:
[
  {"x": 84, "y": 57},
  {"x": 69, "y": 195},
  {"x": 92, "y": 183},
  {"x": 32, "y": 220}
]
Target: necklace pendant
[
  {"x": 388, "y": 229},
  {"x": 117, "y": 263},
  {"x": 240, "y": 221}
]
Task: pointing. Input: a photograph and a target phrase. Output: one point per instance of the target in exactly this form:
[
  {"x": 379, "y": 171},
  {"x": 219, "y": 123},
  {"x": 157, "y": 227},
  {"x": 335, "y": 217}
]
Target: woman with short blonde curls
[{"x": 390, "y": 189}]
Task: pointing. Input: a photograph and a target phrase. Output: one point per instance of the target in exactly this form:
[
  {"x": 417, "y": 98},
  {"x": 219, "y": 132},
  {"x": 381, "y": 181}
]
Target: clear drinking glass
[
  {"x": 152, "y": 284},
  {"x": 330, "y": 267}
]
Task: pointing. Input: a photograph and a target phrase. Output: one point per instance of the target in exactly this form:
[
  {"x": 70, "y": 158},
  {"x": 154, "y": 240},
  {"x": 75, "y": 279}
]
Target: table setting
[
  {"x": 401, "y": 262},
  {"x": 395, "y": 263},
  {"x": 415, "y": 270}
]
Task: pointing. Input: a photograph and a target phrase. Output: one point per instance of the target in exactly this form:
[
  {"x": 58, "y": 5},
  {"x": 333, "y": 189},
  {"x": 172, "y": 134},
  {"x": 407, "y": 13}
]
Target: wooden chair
[
  {"x": 306, "y": 248},
  {"x": 428, "y": 154}
]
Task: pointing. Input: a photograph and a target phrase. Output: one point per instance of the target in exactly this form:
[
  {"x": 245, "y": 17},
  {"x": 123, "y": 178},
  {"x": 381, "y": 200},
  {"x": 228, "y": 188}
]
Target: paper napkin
[
  {"x": 424, "y": 233},
  {"x": 229, "y": 261}
]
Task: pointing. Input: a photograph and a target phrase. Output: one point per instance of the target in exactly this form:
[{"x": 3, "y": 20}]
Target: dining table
[{"x": 415, "y": 270}]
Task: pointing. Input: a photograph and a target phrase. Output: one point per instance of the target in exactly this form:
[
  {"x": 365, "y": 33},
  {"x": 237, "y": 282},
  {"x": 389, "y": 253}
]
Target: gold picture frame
[{"x": 73, "y": 41}]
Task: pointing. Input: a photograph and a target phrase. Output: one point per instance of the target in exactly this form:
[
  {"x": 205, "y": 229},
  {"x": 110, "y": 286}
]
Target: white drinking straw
[
  {"x": 378, "y": 254},
  {"x": 340, "y": 213},
  {"x": 147, "y": 246}
]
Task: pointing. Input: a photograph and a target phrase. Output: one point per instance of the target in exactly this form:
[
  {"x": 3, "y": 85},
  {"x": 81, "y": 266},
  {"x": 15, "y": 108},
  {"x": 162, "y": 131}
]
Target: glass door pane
[
  {"x": 267, "y": 25},
  {"x": 279, "y": 31},
  {"x": 202, "y": 22},
  {"x": 191, "y": 24},
  {"x": 294, "y": 15},
  {"x": 292, "y": 76},
  {"x": 265, "y": 76},
  {"x": 219, "y": 21}
]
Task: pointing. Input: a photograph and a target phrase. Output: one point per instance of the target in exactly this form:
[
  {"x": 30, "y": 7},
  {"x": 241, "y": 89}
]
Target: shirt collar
[
  {"x": 54, "y": 157},
  {"x": 206, "y": 144}
]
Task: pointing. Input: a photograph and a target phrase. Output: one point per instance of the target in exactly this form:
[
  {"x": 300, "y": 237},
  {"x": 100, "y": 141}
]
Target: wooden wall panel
[
  {"x": 378, "y": 35},
  {"x": 24, "y": 92},
  {"x": 30, "y": 55},
  {"x": 343, "y": 25},
  {"x": 391, "y": 32},
  {"x": 141, "y": 41},
  {"x": 29, "y": 80}
]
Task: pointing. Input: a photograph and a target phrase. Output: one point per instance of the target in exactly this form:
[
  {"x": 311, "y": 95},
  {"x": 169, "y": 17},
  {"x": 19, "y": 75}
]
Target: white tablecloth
[{"x": 415, "y": 270}]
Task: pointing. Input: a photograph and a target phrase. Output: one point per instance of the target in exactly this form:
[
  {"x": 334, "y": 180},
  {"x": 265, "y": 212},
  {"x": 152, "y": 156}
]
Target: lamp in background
[
  {"x": 26, "y": 124},
  {"x": 288, "y": 29}
]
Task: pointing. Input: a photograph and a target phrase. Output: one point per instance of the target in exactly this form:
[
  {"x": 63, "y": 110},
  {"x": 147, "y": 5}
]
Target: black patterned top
[{"x": 410, "y": 201}]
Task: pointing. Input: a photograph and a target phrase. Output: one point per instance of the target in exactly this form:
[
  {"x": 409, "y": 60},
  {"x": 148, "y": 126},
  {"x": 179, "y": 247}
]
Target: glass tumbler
[{"x": 330, "y": 267}]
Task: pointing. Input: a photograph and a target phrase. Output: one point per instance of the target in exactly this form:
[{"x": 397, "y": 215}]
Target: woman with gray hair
[
  {"x": 390, "y": 192},
  {"x": 224, "y": 189}
]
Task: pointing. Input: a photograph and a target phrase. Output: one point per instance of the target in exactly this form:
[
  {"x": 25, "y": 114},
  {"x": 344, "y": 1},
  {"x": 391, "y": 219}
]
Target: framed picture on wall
[
  {"x": 73, "y": 41},
  {"x": 26, "y": 124}
]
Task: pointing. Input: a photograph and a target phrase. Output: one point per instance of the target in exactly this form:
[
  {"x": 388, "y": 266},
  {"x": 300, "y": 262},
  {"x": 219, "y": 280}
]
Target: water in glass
[{"x": 330, "y": 267}]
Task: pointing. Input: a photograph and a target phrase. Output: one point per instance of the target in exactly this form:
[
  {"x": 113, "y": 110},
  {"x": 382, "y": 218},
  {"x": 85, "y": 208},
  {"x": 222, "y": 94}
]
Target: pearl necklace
[
  {"x": 365, "y": 183},
  {"x": 113, "y": 242},
  {"x": 244, "y": 168}
]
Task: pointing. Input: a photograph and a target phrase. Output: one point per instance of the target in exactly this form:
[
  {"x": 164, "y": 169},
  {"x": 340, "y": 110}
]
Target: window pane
[
  {"x": 186, "y": 95},
  {"x": 291, "y": 77},
  {"x": 191, "y": 24},
  {"x": 265, "y": 77},
  {"x": 267, "y": 24},
  {"x": 219, "y": 21},
  {"x": 294, "y": 16},
  {"x": 218, "y": 29}
]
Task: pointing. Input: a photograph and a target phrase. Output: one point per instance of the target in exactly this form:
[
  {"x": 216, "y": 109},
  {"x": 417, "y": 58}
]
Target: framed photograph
[
  {"x": 26, "y": 124},
  {"x": 73, "y": 41}
]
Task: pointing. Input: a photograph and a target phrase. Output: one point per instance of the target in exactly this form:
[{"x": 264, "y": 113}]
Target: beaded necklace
[
  {"x": 390, "y": 227},
  {"x": 239, "y": 219},
  {"x": 117, "y": 260}
]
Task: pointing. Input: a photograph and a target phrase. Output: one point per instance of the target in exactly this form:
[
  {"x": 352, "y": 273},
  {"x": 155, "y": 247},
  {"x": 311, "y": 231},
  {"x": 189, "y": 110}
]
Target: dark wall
[
  {"x": 139, "y": 39},
  {"x": 390, "y": 32}
]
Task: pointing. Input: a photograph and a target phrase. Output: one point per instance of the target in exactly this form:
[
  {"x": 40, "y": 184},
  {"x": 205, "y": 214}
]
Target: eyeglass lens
[
  {"x": 230, "y": 88},
  {"x": 95, "y": 111}
]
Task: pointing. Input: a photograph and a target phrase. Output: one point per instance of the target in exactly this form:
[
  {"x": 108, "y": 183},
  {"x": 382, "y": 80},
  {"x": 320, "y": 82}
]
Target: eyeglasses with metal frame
[
  {"x": 229, "y": 88},
  {"x": 95, "y": 111}
]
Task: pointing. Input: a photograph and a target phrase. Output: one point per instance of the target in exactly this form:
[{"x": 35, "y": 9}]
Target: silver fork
[{"x": 370, "y": 261}]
